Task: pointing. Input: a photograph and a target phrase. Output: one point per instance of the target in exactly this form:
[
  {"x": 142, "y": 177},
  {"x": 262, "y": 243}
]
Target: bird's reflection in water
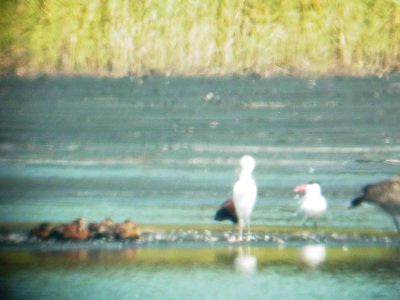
[
  {"x": 245, "y": 263},
  {"x": 312, "y": 255}
]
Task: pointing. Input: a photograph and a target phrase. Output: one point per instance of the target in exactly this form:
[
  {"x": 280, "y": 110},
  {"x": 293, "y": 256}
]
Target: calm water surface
[
  {"x": 305, "y": 272},
  {"x": 164, "y": 151}
]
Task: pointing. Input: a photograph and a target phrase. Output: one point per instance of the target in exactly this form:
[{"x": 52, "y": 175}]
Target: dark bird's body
[
  {"x": 102, "y": 230},
  {"x": 42, "y": 232},
  {"x": 227, "y": 212},
  {"x": 385, "y": 194},
  {"x": 77, "y": 230},
  {"x": 127, "y": 230}
]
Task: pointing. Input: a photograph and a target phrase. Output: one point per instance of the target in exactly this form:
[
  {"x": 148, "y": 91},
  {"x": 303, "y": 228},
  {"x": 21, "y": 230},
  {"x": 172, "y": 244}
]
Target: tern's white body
[
  {"x": 312, "y": 205},
  {"x": 245, "y": 194}
]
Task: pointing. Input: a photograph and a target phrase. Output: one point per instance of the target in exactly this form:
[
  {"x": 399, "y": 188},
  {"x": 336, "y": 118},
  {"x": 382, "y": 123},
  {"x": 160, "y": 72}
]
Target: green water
[
  {"x": 164, "y": 151},
  {"x": 204, "y": 273}
]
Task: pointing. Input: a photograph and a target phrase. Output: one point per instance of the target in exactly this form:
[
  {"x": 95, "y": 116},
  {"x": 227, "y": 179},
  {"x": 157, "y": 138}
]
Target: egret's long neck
[{"x": 245, "y": 174}]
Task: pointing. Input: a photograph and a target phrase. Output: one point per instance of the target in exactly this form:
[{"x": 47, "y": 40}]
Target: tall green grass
[{"x": 189, "y": 37}]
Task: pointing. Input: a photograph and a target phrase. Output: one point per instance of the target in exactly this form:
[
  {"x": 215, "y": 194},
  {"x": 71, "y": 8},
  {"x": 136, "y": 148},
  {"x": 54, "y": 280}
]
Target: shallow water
[
  {"x": 164, "y": 151},
  {"x": 306, "y": 272}
]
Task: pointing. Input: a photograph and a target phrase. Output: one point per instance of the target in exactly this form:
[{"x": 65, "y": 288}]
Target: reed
[{"x": 200, "y": 37}]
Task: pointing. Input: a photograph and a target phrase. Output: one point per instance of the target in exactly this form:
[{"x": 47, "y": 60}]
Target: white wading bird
[
  {"x": 312, "y": 205},
  {"x": 240, "y": 206}
]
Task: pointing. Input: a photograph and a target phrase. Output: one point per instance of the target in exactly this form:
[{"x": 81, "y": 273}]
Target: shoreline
[{"x": 34, "y": 75}]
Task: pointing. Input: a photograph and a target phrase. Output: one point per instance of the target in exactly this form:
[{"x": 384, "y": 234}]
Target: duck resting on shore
[
  {"x": 103, "y": 230},
  {"x": 42, "y": 232},
  {"x": 77, "y": 230},
  {"x": 127, "y": 230}
]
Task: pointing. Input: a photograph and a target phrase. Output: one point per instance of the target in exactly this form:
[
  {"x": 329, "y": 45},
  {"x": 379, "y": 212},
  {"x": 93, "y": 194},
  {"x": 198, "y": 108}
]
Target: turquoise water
[
  {"x": 206, "y": 273},
  {"x": 164, "y": 151}
]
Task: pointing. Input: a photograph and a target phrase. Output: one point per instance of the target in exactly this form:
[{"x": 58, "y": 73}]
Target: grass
[{"x": 200, "y": 37}]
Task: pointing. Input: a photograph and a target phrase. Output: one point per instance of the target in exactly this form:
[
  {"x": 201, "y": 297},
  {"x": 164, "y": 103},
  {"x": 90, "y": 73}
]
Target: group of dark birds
[{"x": 79, "y": 230}]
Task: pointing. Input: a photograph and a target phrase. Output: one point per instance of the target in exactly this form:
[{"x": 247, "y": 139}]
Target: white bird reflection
[
  {"x": 312, "y": 255},
  {"x": 245, "y": 263}
]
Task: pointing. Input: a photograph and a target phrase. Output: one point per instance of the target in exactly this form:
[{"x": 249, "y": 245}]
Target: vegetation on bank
[{"x": 200, "y": 37}]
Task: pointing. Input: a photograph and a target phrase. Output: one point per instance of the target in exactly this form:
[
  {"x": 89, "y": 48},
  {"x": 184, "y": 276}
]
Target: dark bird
[
  {"x": 42, "y": 232},
  {"x": 127, "y": 230},
  {"x": 103, "y": 230},
  {"x": 385, "y": 194},
  {"x": 227, "y": 212},
  {"x": 77, "y": 230}
]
